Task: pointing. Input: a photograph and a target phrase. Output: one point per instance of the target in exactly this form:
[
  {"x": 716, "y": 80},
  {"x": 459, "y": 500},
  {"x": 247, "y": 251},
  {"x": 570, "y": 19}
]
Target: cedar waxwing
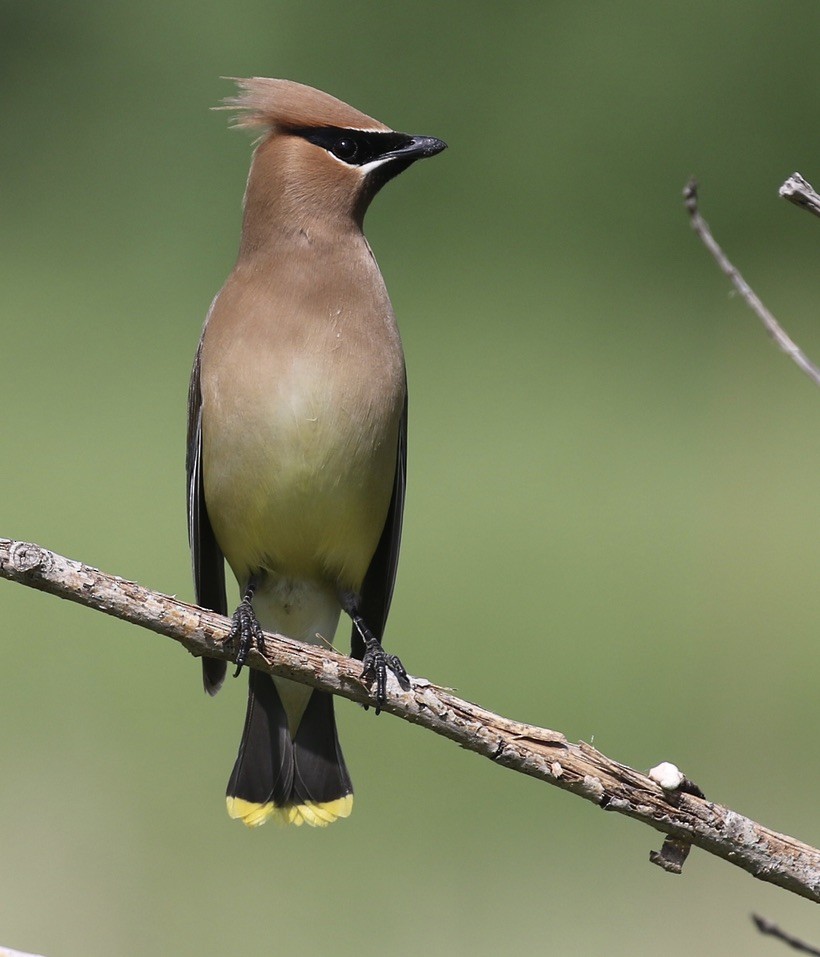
[{"x": 297, "y": 428}]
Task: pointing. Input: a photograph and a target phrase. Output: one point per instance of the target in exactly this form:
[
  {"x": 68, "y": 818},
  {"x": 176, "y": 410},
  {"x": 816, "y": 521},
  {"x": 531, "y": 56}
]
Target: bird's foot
[
  {"x": 245, "y": 630},
  {"x": 375, "y": 665},
  {"x": 375, "y": 661}
]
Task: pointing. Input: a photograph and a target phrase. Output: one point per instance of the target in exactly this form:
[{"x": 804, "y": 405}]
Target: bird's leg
[
  {"x": 376, "y": 662},
  {"x": 245, "y": 627}
]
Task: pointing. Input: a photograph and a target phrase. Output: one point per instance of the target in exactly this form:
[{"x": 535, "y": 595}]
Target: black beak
[
  {"x": 409, "y": 149},
  {"x": 417, "y": 147}
]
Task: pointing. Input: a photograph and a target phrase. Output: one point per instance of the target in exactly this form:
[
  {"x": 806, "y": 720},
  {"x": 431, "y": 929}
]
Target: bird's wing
[
  {"x": 377, "y": 590},
  {"x": 206, "y": 555}
]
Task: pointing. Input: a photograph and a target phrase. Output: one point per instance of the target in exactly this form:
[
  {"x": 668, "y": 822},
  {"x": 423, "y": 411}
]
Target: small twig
[
  {"x": 772, "y": 326},
  {"x": 767, "y": 927},
  {"x": 800, "y": 192},
  {"x": 537, "y": 752},
  {"x": 672, "y": 855}
]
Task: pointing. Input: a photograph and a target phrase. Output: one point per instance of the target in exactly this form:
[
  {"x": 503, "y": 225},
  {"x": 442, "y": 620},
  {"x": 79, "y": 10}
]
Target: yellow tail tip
[{"x": 316, "y": 814}]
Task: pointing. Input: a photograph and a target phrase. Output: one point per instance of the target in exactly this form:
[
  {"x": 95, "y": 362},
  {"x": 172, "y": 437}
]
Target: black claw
[
  {"x": 375, "y": 666},
  {"x": 375, "y": 662},
  {"x": 395, "y": 665},
  {"x": 245, "y": 631}
]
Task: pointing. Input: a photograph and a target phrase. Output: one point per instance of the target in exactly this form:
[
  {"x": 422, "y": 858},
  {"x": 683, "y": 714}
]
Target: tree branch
[
  {"x": 772, "y": 326},
  {"x": 772, "y": 930},
  {"x": 538, "y": 752},
  {"x": 800, "y": 192}
]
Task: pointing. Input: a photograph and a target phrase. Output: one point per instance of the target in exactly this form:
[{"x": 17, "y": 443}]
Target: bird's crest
[{"x": 282, "y": 105}]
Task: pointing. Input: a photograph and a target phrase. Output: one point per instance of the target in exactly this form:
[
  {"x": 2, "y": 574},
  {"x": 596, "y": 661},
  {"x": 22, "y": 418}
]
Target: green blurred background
[{"x": 611, "y": 525}]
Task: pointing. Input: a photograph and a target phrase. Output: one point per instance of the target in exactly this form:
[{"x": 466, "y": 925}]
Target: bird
[{"x": 297, "y": 435}]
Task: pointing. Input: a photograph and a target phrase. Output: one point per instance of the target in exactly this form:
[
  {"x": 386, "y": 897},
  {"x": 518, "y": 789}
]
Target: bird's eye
[{"x": 345, "y": 149}]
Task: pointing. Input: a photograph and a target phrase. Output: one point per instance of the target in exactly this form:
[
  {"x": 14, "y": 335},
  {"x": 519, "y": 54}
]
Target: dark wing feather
[
  {"x": 206, "y": 555},
  {"x": 377, "y": 589}
]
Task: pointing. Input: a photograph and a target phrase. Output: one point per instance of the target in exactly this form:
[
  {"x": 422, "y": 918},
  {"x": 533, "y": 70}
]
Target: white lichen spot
[
  {"x": 593, "y": 786},
  {"x": 667, "y": 775}
]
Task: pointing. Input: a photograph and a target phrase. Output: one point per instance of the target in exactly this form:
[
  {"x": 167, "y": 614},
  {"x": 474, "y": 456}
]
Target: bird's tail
[{"x": 296, "y": 778}]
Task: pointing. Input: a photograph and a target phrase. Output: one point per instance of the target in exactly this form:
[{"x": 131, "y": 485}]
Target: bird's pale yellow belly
[{"x": 299, "y": 461}]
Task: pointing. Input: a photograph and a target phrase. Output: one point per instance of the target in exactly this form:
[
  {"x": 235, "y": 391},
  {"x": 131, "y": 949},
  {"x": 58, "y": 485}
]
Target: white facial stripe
[
  {"x": 366, "y": 167},
  {"x": 379, "y": 161}
]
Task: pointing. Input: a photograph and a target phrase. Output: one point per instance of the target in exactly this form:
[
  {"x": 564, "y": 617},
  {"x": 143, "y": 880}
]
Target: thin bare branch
[
  {"x": 538, "y": 752},
  {"x": 772, "y": 326},
  {"x": 800, "y": 192},
  {"x": 772, "y": 930}
]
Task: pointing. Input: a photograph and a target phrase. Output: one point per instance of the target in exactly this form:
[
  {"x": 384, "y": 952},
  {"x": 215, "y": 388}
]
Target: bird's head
[{"x": 318, "y": 160}]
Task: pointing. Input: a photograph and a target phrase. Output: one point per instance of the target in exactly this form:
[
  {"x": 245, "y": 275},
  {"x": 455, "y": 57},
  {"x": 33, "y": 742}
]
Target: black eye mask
[{"x": 354, "y": 147}]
